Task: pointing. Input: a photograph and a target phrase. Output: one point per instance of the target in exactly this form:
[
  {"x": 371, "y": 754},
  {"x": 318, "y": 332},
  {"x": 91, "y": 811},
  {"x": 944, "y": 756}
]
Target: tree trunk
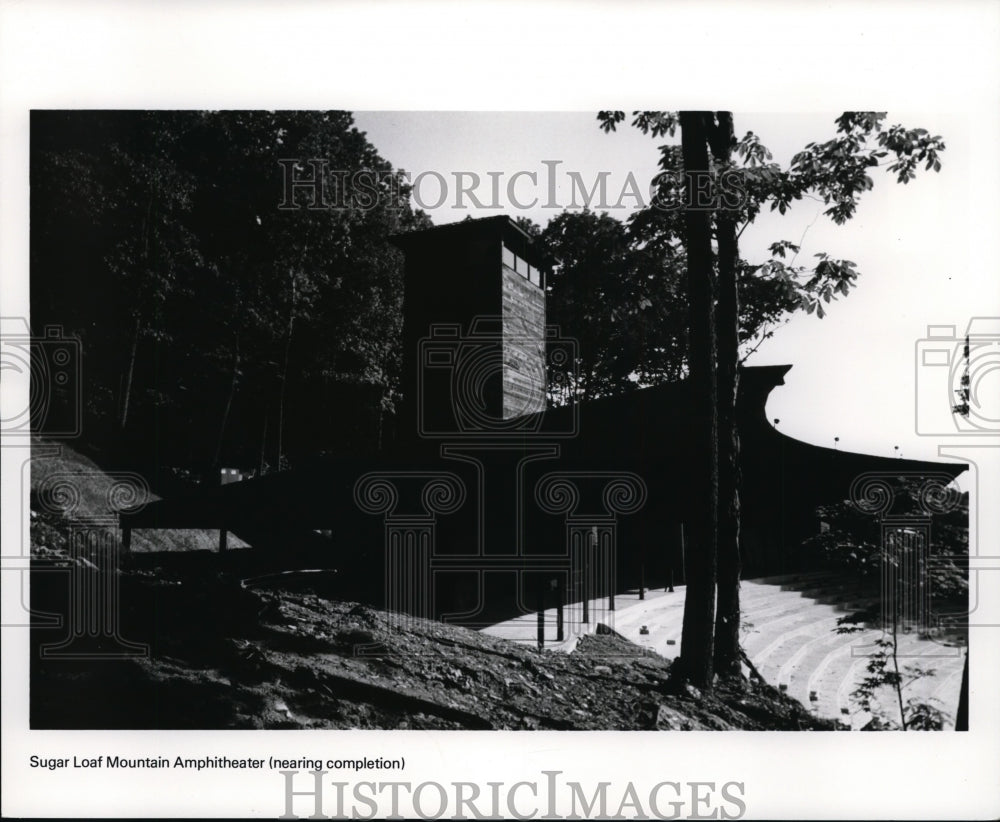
[
  {"x": 281, "y": 401},
  {"x": 263, "y": 443},
  {"x": 727, "y": 618},
  {"x": 962, "y": 717},
  {"x": 696, "y": 658},
  {"x": 130, "y": 369},
  {"x": 129, "y": 372},
  {"x": 898, "y": 681},
  {"x": 229, "y": 400},
  {"x": 284, "y": 373}
]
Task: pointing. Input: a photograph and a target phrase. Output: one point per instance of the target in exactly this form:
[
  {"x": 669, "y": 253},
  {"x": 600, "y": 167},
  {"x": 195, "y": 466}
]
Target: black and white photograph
[{"x": 500, "y": 451}]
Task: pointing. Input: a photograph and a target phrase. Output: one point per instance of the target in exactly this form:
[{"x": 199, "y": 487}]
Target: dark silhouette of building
[{"x": 488, "y": 498}]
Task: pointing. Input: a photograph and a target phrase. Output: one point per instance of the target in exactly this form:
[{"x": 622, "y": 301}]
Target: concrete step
[
  {"x": 770, "y": 659},
  {"x": 765, "y": 630},
  {"x": 792, "y": 640}
]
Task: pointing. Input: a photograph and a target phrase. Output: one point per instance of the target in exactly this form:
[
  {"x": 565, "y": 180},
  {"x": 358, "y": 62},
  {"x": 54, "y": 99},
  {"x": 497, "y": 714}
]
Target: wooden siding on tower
[{"x": 524, "y": 373}]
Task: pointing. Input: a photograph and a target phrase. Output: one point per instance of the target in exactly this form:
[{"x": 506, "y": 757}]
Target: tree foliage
[
  {"x": 837, "y": 171},
  {"x": 617, "y": 288},
  {"x": 740, "y": 180},
  {"x": 215, "y": 323},
  {"x": 619, "y": 301},
  {"x": 850, "y": 540}
]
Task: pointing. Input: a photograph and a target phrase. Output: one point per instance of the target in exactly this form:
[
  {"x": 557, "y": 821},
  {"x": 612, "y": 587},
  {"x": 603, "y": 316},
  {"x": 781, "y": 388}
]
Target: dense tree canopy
[
  {"x": 618, "y": 289},
  {"x": 160, "y": 240}
]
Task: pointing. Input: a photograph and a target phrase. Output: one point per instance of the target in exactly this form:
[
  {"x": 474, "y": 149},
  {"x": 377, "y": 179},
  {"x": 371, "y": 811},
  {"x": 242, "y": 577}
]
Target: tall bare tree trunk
[
  {"x": 284, "y": 373},
  {"x": 696, "y": 658},
  {"x": 129, "y": 373},
  {"x": 130, "y": 368},
  {"x": 229, "y": 399},
  {"x": 727, "y": 618},
  {"x": 263, "y": 443}
]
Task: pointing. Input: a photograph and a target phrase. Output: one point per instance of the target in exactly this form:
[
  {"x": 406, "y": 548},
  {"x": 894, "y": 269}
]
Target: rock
[
  {"x": 691, "y": 691},
  {"x": 667, "y": 719},
  {"x": 602, "y": 669},
  {"x": 359, "y": 637},
  {"x": 717, "y": 724},
  {"x": 281, "y": 707}
]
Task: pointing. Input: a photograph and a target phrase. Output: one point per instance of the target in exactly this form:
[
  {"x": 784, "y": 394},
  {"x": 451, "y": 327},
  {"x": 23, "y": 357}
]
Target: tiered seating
[{"x": 790, "y": 633}]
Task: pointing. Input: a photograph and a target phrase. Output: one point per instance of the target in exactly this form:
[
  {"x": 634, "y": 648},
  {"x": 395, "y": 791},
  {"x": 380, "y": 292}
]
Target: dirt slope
[
  {"x": 226, "y": 649},
  {"x": 226, "y": 656}
]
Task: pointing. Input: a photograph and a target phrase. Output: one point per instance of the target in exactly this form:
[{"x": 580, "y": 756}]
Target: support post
[
  {"x": 559, "y": 613},
  {"x": 683, "y": 558},
  {"x": 962, "y": 717},
  {"x": 540, "y": 605},
  {"x": 223, "y": 540}
]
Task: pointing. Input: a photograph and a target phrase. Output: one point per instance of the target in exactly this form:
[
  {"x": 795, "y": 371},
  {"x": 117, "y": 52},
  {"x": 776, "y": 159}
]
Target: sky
[{"x": 922, "y": 248}]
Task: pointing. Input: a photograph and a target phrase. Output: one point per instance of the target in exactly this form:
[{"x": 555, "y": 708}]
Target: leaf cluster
[{"x": 837, "y": 172}]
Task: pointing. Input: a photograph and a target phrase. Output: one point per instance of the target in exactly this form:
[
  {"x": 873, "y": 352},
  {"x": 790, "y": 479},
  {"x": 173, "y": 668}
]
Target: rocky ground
[
  {"x": 226, "y": 652},
  {"x": 231, "y": 645}
]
